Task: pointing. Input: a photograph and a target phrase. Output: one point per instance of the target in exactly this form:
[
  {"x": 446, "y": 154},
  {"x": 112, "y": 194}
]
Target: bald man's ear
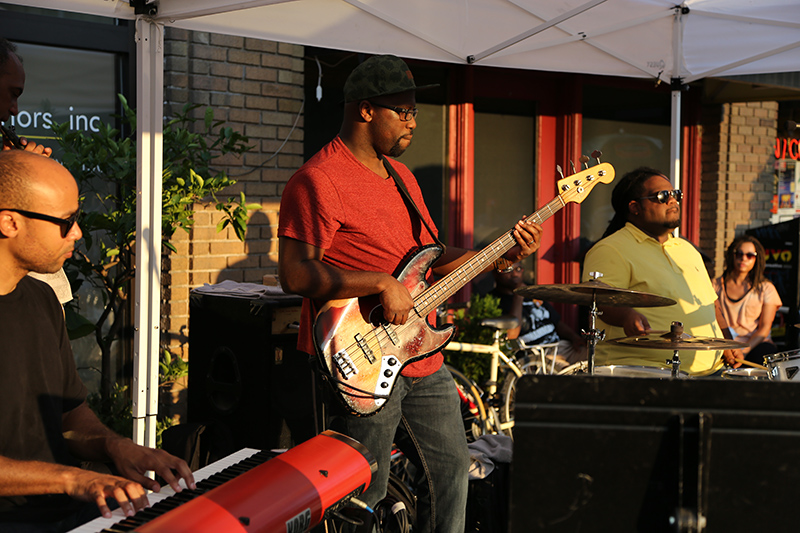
[{"x": 8, "y": 224}]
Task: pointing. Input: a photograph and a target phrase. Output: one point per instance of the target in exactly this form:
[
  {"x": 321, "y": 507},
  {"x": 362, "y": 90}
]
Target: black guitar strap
[{"x": 407, "y": 197}]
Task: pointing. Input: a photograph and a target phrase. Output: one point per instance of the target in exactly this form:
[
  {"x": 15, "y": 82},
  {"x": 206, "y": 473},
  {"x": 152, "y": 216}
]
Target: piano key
[{"x": 201, "y": 475}]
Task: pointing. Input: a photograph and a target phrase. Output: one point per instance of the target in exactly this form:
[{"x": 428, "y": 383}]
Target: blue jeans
[{"x": 423, "y": 418}]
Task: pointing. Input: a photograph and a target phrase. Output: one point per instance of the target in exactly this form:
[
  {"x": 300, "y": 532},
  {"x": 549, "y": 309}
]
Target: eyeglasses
[
  {"x": 742, "y": 255},
  {"x": 65, "y": 223},
  {"x": 404, "y": 114},
  {"x": 663, "y": 197}
]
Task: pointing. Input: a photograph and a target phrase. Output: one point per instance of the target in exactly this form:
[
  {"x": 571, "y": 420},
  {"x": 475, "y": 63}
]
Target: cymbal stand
[
  {"x": 593, "y": 336},
  {"x": 675, "y": 363},
  {"x": 676, "y": 331}
]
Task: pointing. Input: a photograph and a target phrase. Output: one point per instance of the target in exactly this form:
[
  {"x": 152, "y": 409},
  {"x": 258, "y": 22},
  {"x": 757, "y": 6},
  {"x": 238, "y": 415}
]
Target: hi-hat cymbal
[
  {"x": 661, "y": 340},
  {"x": 601, "y": 293}
]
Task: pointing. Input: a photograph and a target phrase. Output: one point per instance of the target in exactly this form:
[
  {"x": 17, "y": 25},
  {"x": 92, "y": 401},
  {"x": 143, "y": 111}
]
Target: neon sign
[{"x": 787, "y": 148}]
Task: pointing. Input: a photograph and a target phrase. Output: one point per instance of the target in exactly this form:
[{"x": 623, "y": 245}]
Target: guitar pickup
[
  {"x": 362, "y": 343},
  {"x": 390, "y": 332},
  {"x": 345, "y": 364}
]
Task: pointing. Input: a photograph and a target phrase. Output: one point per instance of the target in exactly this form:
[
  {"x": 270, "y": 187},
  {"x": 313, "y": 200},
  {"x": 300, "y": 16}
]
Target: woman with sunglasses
[{"x": 748, "y": 300}]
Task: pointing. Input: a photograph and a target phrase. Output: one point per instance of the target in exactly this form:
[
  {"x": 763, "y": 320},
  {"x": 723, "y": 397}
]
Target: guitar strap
[{"x": 409, "y": 200}]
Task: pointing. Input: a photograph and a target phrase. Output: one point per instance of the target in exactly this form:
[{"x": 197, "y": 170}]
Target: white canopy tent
[{"x": 657, "y": 39}]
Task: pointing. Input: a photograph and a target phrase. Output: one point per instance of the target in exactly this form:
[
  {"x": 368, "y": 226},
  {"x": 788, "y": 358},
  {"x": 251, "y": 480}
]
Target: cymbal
[
  {"x": 602, "y": 293},
  {"x": 670, "y": 340}
]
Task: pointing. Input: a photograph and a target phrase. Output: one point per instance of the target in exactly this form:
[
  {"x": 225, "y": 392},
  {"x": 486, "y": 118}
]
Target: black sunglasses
[
  {"x": 663, "y": 197},
  {"x": 741, "y": 255},
  {"x": 404, "y": 114},
  {"x": 65, "y": 223}
]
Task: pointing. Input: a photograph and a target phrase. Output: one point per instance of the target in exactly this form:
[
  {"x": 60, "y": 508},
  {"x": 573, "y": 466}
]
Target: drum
[
  {"x": 624, "y": 371},
  {"x": 784, "y": 366},
  {"x": 745, "y": 373}
]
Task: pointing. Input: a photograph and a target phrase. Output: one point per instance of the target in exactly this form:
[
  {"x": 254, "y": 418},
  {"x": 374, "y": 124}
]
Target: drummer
[{"x": 639, "y": 252}]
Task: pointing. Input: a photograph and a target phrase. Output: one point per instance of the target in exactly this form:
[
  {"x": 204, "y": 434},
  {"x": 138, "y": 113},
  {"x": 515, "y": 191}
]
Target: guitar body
[{"x": 363, "y": 354}]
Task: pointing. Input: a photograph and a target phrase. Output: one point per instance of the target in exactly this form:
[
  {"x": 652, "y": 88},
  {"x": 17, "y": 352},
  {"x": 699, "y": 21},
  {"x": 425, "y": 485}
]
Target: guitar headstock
[{"x": 576, "y": 188}]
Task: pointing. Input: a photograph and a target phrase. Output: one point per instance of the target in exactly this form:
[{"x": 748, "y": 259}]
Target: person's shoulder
[
  {"x": 612, "y": 242},
  {"x": 33, "y": 287}
]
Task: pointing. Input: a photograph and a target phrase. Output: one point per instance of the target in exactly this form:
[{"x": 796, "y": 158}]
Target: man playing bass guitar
[{"x": 345, "y": 228}]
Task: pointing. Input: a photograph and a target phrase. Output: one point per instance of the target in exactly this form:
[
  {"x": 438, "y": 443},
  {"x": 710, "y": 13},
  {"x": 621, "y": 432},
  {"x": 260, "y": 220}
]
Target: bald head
[{"x": 25, "y": 176}]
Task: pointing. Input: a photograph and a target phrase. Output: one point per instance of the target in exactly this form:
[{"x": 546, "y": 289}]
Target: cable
[
  {"x": 319, "y": 80},
  {"x": 278, "y": 151}
]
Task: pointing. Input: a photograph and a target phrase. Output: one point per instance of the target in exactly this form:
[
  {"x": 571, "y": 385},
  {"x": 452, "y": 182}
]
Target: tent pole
[
  {"x": 147, "y": 285},
  {"x": 675, "y": 107},
  {"x": 675, "y": 140}
]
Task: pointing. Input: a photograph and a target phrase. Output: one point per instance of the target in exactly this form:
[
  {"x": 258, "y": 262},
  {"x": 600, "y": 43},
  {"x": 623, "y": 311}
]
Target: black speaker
[
  {"x": 600, "y": 453},
  {"x": 244, "y": 370}
]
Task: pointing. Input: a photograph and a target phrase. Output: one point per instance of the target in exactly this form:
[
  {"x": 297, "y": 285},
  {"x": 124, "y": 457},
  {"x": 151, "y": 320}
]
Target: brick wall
[
  {"x": 256, "y": 87},
  {"x": 737, "y": 172}
]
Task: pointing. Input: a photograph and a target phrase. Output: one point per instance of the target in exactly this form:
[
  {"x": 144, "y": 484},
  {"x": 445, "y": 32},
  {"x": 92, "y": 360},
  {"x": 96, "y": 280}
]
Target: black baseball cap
[{"x": 378, "y": 76}]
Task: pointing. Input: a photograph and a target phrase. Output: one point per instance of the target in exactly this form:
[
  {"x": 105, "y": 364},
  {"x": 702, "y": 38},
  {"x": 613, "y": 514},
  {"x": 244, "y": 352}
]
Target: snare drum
[
  {"x": 784, "y": 366},
  {"x": 745, "y": 373},
  {"x": 625, "y": 371}
]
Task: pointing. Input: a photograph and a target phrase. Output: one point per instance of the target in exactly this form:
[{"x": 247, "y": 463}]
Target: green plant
[
  {"x": 469, "y": 329},
  {"x": 115, "y": 410},
  {"x": 104, "y": 165}
]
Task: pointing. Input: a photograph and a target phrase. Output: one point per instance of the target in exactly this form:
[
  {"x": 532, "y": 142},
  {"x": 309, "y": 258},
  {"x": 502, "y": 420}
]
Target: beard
[
  {"x": 673, "y": 223},
  {"x": 396, "y": 150}
]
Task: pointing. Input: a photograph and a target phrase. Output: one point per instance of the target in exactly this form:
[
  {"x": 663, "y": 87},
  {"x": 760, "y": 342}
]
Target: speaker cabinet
[
  {"x": 599, "y": 454},
  {"x": 244, "y": 370}
]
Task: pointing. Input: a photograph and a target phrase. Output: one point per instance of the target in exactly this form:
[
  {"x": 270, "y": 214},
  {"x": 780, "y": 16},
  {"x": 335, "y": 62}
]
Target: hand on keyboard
[
  {"x": 95, "y": 487},
  {"x": 133, "y": 461}
]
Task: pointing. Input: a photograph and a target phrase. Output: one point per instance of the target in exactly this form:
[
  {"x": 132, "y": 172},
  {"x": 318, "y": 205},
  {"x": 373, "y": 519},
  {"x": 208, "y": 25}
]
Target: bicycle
[{"x": 491, "y": 411}]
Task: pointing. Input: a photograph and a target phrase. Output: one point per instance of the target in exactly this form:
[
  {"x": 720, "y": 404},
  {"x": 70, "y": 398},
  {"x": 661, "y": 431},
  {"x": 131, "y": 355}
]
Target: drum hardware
[
  {"x": 783, "y": 366},
  {"x": 593, "y": 293}
]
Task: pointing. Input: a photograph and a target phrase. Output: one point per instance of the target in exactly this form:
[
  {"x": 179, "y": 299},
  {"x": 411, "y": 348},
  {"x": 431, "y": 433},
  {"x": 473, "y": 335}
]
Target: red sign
[{"x": 787, "y": 148}]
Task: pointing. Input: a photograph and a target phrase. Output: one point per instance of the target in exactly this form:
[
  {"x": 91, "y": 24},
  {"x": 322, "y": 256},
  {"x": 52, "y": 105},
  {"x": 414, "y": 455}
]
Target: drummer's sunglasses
[{"x": 662, "y": 197}]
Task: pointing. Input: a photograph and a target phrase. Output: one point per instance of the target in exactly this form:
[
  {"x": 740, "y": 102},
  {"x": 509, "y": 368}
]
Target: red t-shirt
[{"x": 360, "y": 219}]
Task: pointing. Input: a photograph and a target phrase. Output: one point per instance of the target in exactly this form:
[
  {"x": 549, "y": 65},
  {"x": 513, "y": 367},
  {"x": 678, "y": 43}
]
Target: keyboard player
[{"x": 46, "y": 425}]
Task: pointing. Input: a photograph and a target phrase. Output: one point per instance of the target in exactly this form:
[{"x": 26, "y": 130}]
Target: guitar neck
[{"x": 442, "y": 290}]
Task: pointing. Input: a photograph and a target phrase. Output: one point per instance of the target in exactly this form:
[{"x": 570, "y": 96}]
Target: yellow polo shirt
[{"x": 631, "y": 259}]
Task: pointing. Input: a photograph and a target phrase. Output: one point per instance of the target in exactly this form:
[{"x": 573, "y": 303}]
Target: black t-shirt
[
  {"x": 539, "y": 320},
  {"x": 38, "y": 379}
]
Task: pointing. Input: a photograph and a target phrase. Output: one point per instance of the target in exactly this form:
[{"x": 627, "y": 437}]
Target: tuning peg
[
  {"x": 561, "y": 172},
  {"x": 585, "y": 160},
  {"x": 572, "y": 165},
  {"x": 596, "y": 155}
]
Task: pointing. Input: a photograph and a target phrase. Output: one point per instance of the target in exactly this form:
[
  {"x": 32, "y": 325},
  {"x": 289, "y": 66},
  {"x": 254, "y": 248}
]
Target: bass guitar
[{"x": 362, "y": 354}]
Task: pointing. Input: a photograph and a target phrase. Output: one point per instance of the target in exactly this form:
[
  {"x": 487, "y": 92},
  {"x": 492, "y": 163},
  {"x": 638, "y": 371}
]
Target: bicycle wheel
[
  {"x": 509, "y": 391},
  {"x": 473, "y": 409}
]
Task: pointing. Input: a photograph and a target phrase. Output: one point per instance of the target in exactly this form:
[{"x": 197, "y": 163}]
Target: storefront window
[
  {"x": 504, "y": 173},
  {"x": 631, "y": 129},
  {"x": 426, "y": 158},
  {"x": 64, "y": 86}
]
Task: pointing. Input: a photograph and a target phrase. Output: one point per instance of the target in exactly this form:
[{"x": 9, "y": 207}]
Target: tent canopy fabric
[{"x": 632, "y": 38}]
